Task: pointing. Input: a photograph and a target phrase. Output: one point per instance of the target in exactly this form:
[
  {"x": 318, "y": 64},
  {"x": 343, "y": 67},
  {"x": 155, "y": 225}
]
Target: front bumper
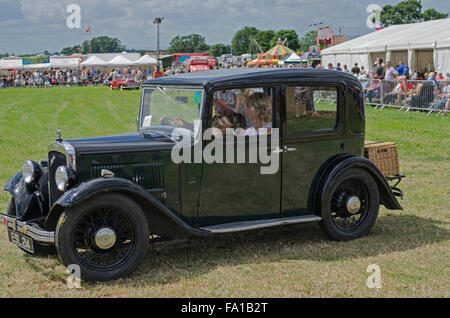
[{"x": 30, "y": 229}]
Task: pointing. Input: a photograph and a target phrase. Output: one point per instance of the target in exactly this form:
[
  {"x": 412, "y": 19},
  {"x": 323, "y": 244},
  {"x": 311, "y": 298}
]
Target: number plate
[{"x": 21, "y": 240}]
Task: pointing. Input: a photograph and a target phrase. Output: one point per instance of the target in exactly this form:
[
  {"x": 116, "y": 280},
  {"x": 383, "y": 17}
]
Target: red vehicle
[
  {"x": 124, "y": 82},
  {"x": 197, "y": 64}
]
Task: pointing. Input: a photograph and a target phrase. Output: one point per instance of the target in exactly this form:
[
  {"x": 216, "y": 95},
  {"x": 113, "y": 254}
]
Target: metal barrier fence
[{"x": 408, "y": 95}]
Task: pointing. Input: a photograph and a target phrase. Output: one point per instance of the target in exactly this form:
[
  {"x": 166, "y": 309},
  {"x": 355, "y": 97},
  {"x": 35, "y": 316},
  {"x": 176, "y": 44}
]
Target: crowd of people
[
  {"x": 385, "y": 83},
  {"x": 391, "y": 85},
  {"x": 69, "y": 77}
]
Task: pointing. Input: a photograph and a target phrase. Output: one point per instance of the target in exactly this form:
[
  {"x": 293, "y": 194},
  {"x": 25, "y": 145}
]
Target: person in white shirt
[{"x": 390, "y": 72}]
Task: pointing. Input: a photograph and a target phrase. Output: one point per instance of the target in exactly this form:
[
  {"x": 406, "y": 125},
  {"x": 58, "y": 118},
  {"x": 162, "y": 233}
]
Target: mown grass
[{"x": 411, "y": 246}]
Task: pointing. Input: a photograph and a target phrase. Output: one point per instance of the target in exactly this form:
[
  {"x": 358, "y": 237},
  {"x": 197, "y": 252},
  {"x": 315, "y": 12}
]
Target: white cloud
[{"x": 42, "y": 24}]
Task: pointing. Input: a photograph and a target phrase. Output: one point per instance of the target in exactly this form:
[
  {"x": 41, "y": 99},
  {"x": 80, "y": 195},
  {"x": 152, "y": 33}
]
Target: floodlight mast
[{"x": 157, "y": 21}]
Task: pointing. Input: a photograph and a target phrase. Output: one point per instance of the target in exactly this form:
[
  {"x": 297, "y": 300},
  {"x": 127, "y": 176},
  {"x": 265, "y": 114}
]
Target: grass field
[{"x": 412, "y": 247}]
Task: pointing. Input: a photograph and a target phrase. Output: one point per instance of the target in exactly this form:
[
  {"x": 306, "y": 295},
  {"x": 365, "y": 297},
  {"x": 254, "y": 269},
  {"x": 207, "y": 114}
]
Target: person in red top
[
  {"x": 157, "y": 74},
  {"x": 402, "y": 92}
]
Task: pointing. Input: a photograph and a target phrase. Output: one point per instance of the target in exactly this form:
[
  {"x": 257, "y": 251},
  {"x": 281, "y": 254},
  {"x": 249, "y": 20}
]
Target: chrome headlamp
[
  {"x": 31, "y": 171},
  {"x": 62, "y": 178}
]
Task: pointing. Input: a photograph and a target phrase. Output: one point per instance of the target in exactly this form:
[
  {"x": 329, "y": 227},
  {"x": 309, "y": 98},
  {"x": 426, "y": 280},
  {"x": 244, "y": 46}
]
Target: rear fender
[
  {"x": 387, "y": 197},
  {"x": 343, "y": 162},
  {"x": 161, "y": 220}
]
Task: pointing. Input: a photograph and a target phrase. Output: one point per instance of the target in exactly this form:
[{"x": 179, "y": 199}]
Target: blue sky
[{"x": 31, "y": 26}]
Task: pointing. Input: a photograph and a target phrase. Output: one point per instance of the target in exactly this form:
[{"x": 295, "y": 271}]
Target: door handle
[{"x": 287, "y": 149}]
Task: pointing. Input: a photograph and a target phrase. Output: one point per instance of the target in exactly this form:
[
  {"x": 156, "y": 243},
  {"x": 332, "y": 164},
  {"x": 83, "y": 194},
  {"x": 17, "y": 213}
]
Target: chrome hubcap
[
  {"x": 353, "y": 204},
  {"x": 105, "y": 238}
]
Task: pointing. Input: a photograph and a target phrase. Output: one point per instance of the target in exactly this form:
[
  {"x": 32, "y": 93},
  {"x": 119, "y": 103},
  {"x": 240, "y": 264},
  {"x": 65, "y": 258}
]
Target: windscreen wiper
[{"x": 164, "y": 92}]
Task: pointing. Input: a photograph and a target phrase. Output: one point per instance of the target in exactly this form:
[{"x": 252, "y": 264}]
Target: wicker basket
[{"x": 384, "y": 155}]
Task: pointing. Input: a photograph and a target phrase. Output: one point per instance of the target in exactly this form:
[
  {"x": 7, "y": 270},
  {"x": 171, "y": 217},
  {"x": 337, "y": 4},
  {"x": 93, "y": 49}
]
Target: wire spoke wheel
[
  {"x": 350, "y": 204},
  {"x": 103, "y": 238}
]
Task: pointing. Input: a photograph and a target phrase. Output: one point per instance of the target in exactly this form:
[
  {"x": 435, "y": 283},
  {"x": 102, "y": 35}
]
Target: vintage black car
[{"x": 215, "y": 152}]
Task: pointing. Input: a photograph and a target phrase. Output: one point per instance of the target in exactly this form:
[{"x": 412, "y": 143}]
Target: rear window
[{"x": 356, "y": 111}]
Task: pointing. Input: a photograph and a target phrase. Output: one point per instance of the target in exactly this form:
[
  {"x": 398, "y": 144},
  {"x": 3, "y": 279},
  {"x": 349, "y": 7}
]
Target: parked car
[
  {"x": 99, "y": 200},
  {"x": 197, "y": 64},
  {"x": 124, "y": 82}
]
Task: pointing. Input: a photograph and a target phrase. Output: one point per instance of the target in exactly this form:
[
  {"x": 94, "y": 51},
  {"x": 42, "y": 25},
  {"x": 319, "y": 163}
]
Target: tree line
[{"x": 246, "y": 40}]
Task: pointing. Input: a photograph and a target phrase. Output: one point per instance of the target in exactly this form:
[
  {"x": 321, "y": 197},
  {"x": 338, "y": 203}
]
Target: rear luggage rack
[{"x": 398, "y": 178}]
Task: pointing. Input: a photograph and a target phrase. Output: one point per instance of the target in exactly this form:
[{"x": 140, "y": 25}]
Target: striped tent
[{"x": 278, "y": 52}]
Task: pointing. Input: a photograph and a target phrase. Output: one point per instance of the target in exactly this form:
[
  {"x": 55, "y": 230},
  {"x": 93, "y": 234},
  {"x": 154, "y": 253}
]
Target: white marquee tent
[
  {"x": 54, "y": 62},
  {"x": 293, "y": 58},
  {"x": 423, "y": 46},
  {"x": 115, "y": 60},
  {"x": 10, "y": 64},
  {"x": 68, "y": 62},
  {"x": 146, "y": 60},
  {"x": 93, "y": 61},
  {"x": 120, "y": 60}
]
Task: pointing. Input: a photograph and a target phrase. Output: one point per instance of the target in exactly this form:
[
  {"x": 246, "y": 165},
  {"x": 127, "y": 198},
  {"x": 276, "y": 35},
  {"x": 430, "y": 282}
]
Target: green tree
[
  {"x": 432, "y": 14},
  {"x": 191, "y": 43},
  {"x": 103, "y": 44},
  {"x": 307, "y": 40},
  {"x": 408, "y": 11},
  {"x": 291, "y": 36},
  {"x": 219, "y": 49},
  {"x": 242, "y": 40},
  {"x": 264, "y": 39},
  {"x": 71, "y": 50}
]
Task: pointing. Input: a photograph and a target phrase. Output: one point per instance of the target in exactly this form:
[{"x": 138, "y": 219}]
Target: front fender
[
  {"x": 31, "y": 200},
  {"x": 387, "y": 197},
  {"x": 162, "y": 221}
]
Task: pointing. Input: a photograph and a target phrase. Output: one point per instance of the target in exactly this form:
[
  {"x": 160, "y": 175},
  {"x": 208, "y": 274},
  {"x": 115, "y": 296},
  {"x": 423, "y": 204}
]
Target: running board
[{"x": 260, "y": 224}]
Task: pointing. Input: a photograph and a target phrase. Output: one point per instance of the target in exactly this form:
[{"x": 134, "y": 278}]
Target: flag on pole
[{"x": 88, "y": 29}]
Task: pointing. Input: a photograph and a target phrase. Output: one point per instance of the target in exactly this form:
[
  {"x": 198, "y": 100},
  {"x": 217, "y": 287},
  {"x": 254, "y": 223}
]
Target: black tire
[
  {"x": 77, "y": 230},
  {"x": 39, "y": 249},
  {"x": 337, "y": 222}
]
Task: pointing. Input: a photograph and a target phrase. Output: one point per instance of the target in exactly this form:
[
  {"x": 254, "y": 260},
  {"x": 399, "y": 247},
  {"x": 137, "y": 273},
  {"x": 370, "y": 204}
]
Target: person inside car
[{"x": 260, "y": 113}]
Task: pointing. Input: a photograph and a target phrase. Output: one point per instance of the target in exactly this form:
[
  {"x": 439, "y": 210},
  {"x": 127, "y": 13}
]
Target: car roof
[{"x": 252, "y": 75}]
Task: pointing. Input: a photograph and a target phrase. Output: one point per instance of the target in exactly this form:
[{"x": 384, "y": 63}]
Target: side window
[
  {"x": 246, "y": 111},
  {"x": 310, "y": 108}
]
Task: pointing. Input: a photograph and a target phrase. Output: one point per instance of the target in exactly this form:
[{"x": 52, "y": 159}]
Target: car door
[
  {"x": 237, "y": 189},
  {"x": 312, "y": 132}
]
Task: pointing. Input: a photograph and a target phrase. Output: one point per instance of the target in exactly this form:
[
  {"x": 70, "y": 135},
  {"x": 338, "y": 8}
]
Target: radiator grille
[{"x": 55, "y": 160}]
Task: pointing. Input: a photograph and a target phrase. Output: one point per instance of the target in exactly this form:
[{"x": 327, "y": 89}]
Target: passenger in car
[{"x": 260, "y": 114}]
